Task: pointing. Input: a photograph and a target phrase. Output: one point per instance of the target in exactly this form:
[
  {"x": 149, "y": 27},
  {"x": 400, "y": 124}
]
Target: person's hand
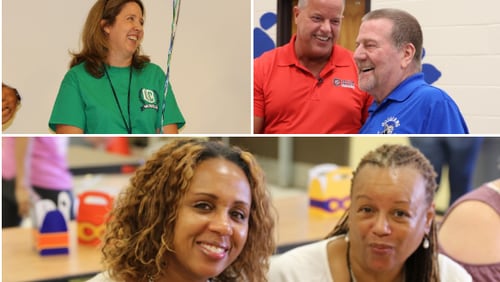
[
  {"x": 23, "y": 200},
  {"x": 9, "y": 104}
]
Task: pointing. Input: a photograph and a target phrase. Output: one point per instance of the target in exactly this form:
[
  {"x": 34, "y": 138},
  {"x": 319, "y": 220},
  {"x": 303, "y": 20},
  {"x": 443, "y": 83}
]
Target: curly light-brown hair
[
  {"x": 140, "y": 231},
  {"x": 422, "y": 265},
  {"x": 94, "y": 39}
]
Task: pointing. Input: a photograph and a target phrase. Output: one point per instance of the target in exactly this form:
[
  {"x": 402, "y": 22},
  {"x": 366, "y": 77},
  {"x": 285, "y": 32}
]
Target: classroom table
[
  {"x": 21, "y": 262},
  {"x": 295, "y": 225},
  {"x": 84, "y": 160}
]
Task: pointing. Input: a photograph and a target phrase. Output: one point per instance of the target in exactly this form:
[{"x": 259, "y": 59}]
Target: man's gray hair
[{"x": 302, "y": 3}]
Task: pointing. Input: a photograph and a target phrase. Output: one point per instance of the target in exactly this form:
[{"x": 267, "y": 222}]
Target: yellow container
[{"x": 329, "y": 189}]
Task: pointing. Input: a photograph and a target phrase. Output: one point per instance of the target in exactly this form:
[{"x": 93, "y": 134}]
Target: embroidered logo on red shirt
[{"x": 343, "y": 83}]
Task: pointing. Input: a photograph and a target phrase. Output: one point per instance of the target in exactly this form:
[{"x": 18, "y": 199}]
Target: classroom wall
[
  {"x": 462, "y": 42},
  {"x": 210, "y": 69},
  {"x": 308, "y": 152},
  {"x": 264, "y": 28},
  {"x": 361, "y": 146}
]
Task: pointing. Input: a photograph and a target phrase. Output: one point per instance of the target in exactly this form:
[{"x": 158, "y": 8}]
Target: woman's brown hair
[
  {"x": 140, "y": 233},
  {"x": 94, "y": 39}
]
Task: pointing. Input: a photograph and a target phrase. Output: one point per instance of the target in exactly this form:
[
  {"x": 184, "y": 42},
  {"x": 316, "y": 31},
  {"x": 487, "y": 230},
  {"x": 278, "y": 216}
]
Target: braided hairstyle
[{"x": 422, "y": 265}]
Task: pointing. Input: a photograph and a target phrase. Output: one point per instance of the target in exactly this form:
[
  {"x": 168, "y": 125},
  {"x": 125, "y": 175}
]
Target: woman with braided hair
[
  {"x": 387, "y": 234},
  {"x": 196, "y": 211}
]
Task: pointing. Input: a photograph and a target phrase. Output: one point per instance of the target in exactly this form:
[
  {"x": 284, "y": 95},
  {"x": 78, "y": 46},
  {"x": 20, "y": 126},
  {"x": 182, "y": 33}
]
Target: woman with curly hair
[
  {"x": 387, "y": 234},
  {"x": 198, "y": 210}
]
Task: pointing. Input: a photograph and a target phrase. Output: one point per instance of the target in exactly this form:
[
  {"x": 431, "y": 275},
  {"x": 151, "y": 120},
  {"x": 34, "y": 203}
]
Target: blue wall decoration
[
  {"x": 262, "y": 41},
  {"x": 431, "y": 73}
]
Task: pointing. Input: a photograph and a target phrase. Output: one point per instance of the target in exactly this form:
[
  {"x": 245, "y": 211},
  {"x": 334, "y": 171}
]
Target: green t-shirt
[{"x": 88, "y": 103}]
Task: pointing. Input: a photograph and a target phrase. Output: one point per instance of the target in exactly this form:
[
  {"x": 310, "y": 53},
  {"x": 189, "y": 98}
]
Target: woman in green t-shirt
[{"x": 111, "y": 86}]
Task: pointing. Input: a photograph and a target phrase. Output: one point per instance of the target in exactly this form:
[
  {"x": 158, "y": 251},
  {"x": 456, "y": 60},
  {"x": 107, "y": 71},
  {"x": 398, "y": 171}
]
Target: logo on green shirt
[{"x": 149, "y": 99}]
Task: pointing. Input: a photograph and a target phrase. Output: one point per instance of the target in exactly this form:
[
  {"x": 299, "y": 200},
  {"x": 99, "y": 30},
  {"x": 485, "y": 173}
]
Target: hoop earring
[{"x": 425, "y": 243}]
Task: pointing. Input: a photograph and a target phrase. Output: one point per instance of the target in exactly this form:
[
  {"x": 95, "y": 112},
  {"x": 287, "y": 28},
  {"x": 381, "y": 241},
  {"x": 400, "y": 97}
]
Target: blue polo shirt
[{"x": 415, "y": 107}]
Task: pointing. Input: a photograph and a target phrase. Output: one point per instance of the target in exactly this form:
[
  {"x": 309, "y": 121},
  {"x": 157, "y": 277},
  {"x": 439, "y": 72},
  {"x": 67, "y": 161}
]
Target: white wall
[
  {"x": 210, "y": 69},
  {"x": 260, "y": 8}
]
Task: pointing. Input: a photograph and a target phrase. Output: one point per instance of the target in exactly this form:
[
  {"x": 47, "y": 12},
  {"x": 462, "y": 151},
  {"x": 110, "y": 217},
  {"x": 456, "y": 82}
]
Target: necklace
[
  {"x": 128, "y": 125},
  {"x": 351, "y": 275}
]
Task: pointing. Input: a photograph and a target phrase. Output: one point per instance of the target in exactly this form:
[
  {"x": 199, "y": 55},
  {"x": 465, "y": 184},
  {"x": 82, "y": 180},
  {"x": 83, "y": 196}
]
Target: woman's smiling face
[
  {"x": 127, "y": 32},
  {"x": 389, "y": 216},
  {"x": 212, "y": 223}
]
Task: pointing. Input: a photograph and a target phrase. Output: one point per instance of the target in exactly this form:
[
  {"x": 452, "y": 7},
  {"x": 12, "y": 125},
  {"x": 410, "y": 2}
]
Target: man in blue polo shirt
[{"x": 388, "y": 57}]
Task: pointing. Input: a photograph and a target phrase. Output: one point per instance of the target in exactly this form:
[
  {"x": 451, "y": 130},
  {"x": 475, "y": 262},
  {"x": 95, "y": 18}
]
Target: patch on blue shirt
[{"x": 389, "y": 125}]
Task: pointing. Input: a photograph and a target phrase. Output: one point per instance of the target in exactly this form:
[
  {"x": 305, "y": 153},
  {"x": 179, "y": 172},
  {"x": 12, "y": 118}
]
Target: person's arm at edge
[
  {"x": 68, "y": 129},
  {"x": 170, "y": 129},
  {"x": 258, "y": 124},
  {"x": 22, "y": 188}
]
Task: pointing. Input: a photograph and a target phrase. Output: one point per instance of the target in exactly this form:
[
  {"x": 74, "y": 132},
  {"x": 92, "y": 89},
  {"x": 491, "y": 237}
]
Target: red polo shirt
[{"x": 292, "y": 100}]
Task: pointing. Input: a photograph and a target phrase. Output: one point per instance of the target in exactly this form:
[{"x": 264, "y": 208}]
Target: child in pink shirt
[{"x": 35, "y": 166}]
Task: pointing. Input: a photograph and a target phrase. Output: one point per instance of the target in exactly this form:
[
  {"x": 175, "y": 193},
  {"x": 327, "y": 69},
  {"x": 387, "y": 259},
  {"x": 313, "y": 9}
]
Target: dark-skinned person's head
[
  {"x": 197, "y": 210},
  {"x": 389, "y": 227}
]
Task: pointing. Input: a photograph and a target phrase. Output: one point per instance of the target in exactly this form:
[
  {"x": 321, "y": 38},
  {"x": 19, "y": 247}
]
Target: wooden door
[{"x": 354, "y": 11}]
